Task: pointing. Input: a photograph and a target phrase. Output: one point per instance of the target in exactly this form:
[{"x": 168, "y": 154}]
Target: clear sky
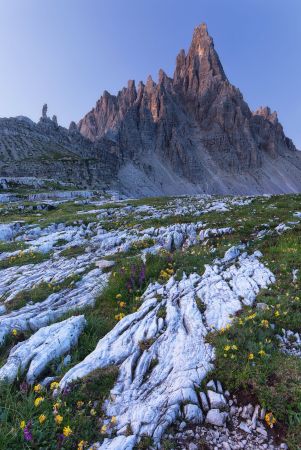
[{"x": 66, "y": 52}]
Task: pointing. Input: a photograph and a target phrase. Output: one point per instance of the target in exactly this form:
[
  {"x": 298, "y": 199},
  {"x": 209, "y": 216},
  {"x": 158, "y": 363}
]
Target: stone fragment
[
  {"x": 193, "y": 413},
  {"x": 215, "y": 417},
  {"x": 244, "y": 427},
  {"x": 216, "y": 400}
]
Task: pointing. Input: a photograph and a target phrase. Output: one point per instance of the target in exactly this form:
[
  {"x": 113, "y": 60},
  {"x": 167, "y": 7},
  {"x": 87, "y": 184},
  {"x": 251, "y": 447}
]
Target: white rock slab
[
  {"x": 44, "y": 346},
  {"x": 34, "y": 316}
]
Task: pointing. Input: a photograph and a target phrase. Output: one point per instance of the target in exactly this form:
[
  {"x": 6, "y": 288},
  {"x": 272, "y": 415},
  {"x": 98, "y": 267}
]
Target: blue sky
[{"x": 66, "y": 52}]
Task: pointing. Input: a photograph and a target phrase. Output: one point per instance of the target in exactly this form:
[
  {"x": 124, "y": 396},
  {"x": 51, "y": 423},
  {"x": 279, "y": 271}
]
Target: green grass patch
[
  {"x": 74, "y": 251},
  {"x": 24, "y": 258}
]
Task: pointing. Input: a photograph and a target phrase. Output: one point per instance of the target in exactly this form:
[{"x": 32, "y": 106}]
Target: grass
[
  {"x": 65, "y": 212},
  {"x": 17, "y": 405},
  {"x": 12, "y": 246},
  {"x": 24, "y": 258},
  {"x": 74, "y": 251}
]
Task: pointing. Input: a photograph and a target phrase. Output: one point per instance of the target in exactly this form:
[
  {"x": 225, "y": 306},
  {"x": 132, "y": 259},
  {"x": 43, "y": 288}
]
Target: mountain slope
[{"x": 194, "y": 133}]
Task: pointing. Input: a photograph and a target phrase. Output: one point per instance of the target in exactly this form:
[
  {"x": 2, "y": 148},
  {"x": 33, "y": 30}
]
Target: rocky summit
[{"x": 189, "y": 134}]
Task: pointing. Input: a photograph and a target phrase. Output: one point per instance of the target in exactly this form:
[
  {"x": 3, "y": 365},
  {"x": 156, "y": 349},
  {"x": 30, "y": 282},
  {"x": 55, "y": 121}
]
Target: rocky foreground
[{"x": 157, "y": 323}]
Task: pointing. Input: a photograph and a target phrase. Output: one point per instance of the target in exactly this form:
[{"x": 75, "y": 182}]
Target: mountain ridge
[{"x": 186, "y": 134}]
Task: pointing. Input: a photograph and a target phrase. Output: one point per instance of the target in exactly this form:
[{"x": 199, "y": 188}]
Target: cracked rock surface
[
  {"x": 44, "y": 346},
  {"x": 34, "y": 316},
  {"x": 161, "y": 349}
]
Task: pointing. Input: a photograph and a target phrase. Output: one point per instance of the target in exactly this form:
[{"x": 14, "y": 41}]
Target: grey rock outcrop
[{"x": 47, "y": 150}]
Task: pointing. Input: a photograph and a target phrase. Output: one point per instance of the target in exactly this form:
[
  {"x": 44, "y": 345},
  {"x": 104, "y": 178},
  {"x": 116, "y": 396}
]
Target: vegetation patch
[
  {"x": 23, "y": 258},
  {"x": 74, "y": 251}
]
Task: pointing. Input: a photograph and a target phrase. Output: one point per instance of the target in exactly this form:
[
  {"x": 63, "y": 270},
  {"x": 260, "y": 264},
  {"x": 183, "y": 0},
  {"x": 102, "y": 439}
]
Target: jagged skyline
[{"x": 70, "y": 64}]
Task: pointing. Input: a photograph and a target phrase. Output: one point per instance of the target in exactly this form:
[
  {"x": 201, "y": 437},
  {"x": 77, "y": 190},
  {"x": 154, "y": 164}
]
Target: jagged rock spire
[
  {"x": 44, "y": 111},
  {"x": 201, "y": 65}
]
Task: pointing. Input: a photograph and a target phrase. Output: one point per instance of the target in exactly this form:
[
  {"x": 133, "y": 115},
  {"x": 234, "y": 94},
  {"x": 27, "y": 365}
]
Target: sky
[{"x": 67, "y": 52}]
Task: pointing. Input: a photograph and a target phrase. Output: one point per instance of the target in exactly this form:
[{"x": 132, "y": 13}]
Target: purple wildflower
[
  {"x": 27, "y": 433},
  {"x": 60, "y": 440},
  {"x": 24, "y": 387},
  {"x": 66, "y": 390},
  {"x": 142, "y": 276}
]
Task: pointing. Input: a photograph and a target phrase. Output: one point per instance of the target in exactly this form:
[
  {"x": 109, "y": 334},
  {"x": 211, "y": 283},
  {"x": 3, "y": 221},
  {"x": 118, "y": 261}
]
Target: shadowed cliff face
[
  {"x": 47, "y": 150},
  {"x": 196, "y": 124}
]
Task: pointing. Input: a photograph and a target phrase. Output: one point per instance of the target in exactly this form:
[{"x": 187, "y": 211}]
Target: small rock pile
[
  {"x": 227, "y": 426},
  {"x": 290, "y": 343}
]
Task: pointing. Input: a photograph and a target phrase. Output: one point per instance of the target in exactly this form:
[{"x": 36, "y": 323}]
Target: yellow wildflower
[
  {"x": 81, "y": 445},
  {"x": 54, "y": 385},
  {"x": 67, "y": 431},
  {"x": 56, "y": 406},
  {"x": 80, "y": 404},
  {"x": 261, "y": 352},
  {"x": 58, "y": 419},
  {"x": 93, "y": 412},
  {"x": 114, "y": 420},
  {"x": 42, "y": 418},
  {"x": 270, "y": 419},
  {"x": 119, "y": 316},
  {"x": 251, "y": 356},
  {"x": 251, "y": 316},
  {"x": 14, "y": 332},
  {"x": 103, "y": 429},
  {"x": 265, "y": 323},
  {"x": 122, "y": 304},
  {"x": 22, "y": 424},
  {"x": 277, "y": 313},
  {"x": 38, "y": 401},
  {"x": 234, "y": 347},
  {"x": 37, "y": 388},
  {"x": 227, "y": 348},
  {"x": 118, "y": 296}
]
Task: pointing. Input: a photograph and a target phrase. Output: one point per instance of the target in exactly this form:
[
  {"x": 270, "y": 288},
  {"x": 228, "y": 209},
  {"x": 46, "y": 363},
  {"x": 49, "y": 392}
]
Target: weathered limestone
[
  {"x": 34, "y": 316},
  {"x": 47, "y": 344},
  {"x": 163, "y": 360}
]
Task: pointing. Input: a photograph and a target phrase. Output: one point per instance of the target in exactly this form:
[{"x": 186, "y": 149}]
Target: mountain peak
[
  {"x": 201, "y": 65},
  {"x": 201, "y": 35}
]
